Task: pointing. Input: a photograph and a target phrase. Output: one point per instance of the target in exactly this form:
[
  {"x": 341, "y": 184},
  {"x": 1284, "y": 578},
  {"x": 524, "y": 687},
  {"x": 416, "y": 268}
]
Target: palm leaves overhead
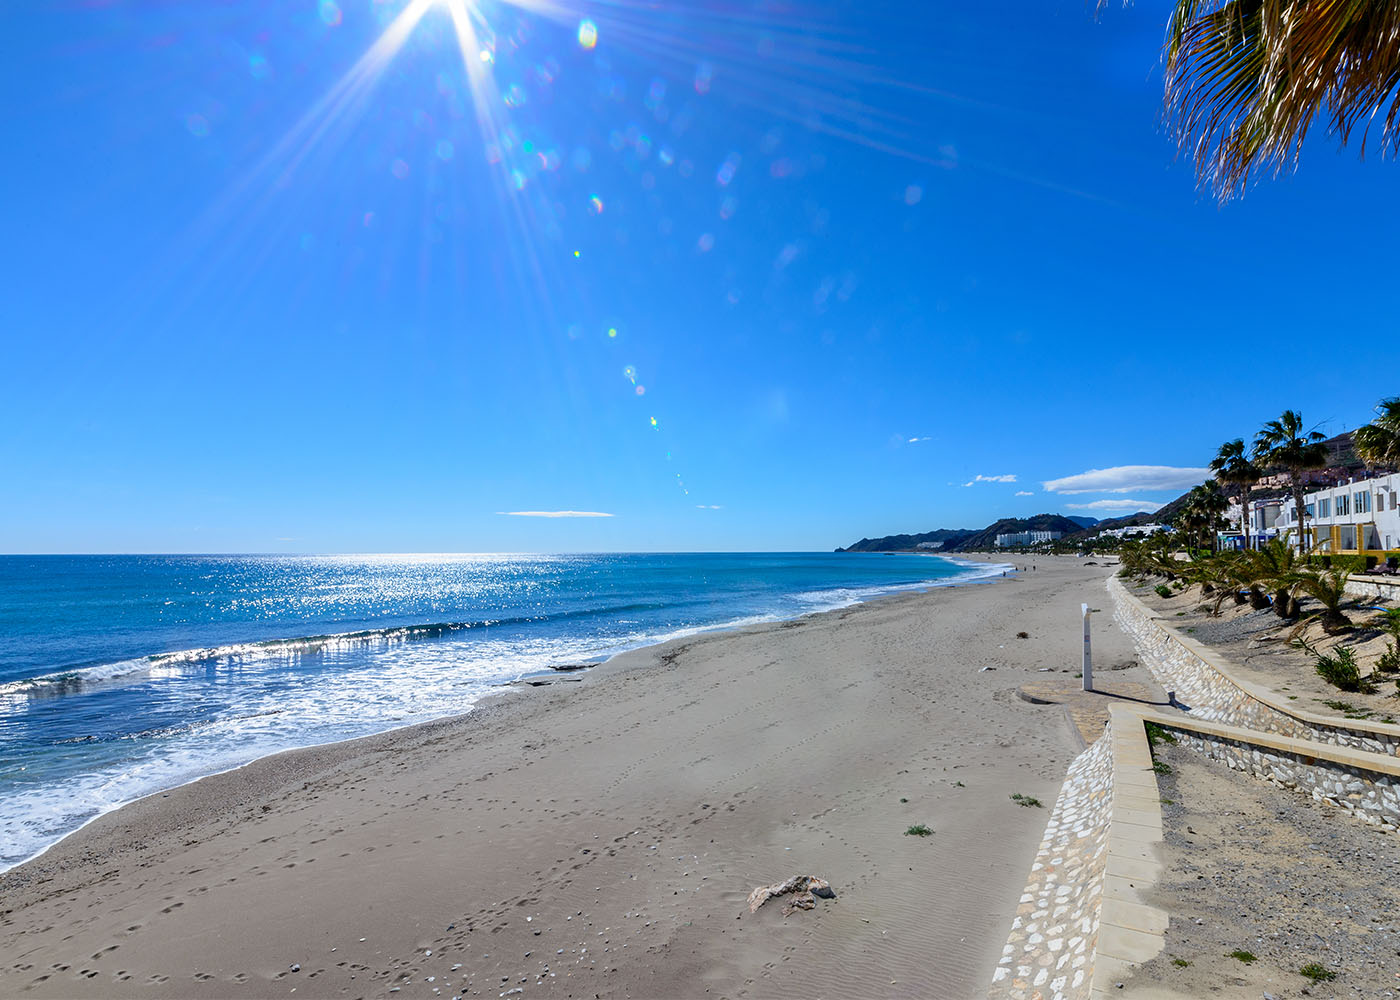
[
  {"x": 1246, "y": 79},
  {"x": 1378, "y": 443},
  {"x": 1283, "y": 445},
  {"x": 1232, "y": 467}
]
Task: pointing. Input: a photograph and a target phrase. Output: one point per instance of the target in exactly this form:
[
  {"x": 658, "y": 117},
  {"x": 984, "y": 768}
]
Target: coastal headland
[{"x": 600, "y": 838}]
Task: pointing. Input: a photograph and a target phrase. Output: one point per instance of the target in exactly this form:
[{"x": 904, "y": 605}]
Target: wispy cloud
[
  {"x": 1008, "y": 478},
  {"x": 1128, "y": 479},
  {"x": 916, "y": 440},
  {"x": 1025, "y": 493},
  {"x": 1117, "y": 505},
  {"x": 709, "y": 506},
  {"x": 552, "y": 513}
]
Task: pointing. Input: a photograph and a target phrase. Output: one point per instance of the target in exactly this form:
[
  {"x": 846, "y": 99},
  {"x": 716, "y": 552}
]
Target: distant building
[
  {"x": 1010, "y": 539},
  {"x": 1133, "y": 531},
  {"x": 1263, "y": 524},
  {"x": 1357, "y": 517}
]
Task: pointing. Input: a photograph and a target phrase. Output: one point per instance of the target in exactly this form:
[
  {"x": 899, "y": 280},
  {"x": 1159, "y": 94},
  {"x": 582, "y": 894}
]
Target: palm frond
[
  {"x": 1378, "y": 443},
  {"x": 1246, "y": 79}
]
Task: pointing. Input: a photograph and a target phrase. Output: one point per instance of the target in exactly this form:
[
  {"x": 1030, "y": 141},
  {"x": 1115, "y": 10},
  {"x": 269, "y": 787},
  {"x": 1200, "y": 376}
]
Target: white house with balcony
[{"x": 1357, "y": 517}]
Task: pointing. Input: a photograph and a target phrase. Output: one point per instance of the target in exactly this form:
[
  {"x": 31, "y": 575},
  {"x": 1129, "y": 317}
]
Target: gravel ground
[{"x": 1257, "y": 868}]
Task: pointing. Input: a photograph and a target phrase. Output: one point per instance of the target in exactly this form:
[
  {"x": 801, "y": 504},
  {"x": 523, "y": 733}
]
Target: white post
[{"x": 1088, "y": 659}]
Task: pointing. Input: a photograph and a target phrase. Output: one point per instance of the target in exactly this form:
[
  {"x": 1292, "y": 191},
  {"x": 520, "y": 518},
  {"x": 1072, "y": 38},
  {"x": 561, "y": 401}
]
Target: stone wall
[
  {"x": 1375, "y": 587},
  {"x": 1049, "y": 953},
  {"x": 1209, "y": 690},
  {"x": 1370, "y": 793}
]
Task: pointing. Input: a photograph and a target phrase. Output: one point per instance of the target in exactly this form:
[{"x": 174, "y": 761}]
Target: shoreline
[
  {"x": 216, "y": 815},
  {"x": 501, "y": 688}
]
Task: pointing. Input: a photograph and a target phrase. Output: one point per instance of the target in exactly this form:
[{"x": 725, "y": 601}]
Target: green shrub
[
  {"x": 1025, "y": 800},
  {"x": 1156, "y": 734},
  {"x": 1341, "y": 672},
  {"x": 1163, "y": 590},
  {"x": 1317, "y": 972},
  {"x": 1389, "y": 661},
  {"x": 918, "y": 830},
  {"x": 1244, "y": 956}
]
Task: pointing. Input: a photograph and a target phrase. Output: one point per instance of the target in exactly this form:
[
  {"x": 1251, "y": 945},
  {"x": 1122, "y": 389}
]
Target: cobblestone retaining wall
[
  {"x": 1049, "y": 953},
  {"x": 1373, "y": 796},
  {"x": 1180, "y": 665},
  {"x": 1379, "y": 588}
]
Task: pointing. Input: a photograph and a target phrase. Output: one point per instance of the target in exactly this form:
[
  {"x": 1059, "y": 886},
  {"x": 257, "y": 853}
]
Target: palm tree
[
  {"x": 1245, "y": 80},
  {"x": 1201, "y": 513},
  {"x": 1378, "y": 443},
  {"x": 1232, "y": 467},
  {"x": 1283, "y": 444}
]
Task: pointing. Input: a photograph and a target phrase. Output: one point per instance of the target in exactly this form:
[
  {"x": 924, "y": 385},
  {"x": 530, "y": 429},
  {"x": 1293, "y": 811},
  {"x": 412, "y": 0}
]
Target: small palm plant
[
  {"x": 1328, "y": 588},
  {"x": 1276, "y": 565}
]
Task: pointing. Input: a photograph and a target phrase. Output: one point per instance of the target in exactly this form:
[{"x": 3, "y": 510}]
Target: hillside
[
  {"x": 987, "y": 537},
  {"x": 947, "y": 537}
]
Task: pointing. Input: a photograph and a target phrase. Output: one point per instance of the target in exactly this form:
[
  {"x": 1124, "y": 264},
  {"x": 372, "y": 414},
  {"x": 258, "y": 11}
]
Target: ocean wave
[
  {"x": 81, "y": 679},
  {"x": 843, "y": 597}
]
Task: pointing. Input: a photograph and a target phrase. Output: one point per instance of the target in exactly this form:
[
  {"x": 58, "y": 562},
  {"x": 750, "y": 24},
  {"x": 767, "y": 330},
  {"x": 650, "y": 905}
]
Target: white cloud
[
  {"x": 916, "y": 440},
  {"x": 1132, "y": 506},
  {"x": 1128, "y": 479},
  {"x": 1008, "y": 478},
  {"x": 709, "y": 506},
  {"x": 1024, "y": 493},
  {"x": 552, "y": 513}
]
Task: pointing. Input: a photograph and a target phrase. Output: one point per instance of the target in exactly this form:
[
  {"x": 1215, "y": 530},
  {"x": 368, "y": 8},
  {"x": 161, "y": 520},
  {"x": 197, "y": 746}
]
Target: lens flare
[{"x": 587, "y": 34}]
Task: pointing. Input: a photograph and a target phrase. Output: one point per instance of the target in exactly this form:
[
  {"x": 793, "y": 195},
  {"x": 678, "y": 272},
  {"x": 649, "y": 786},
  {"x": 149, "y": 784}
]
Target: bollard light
[{"x": 1088, "y": 660}]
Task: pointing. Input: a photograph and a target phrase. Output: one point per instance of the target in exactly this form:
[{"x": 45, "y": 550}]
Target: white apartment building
[
  {"x": 1133, "y": 531},
  {"x": 1356, "y": 517},
  {"x": 1026, "y": 538}
]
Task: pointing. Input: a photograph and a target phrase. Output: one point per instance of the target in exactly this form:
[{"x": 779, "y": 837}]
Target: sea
[{"x": 122, "y": 676}]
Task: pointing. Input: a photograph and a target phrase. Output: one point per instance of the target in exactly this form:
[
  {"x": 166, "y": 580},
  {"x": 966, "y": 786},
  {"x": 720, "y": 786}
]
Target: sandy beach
[{"x": 599, "y": 838}]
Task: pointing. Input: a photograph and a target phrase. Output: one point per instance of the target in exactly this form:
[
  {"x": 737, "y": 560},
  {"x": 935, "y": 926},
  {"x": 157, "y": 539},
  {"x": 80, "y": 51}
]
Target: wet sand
[{"x": 599, "y": 839}]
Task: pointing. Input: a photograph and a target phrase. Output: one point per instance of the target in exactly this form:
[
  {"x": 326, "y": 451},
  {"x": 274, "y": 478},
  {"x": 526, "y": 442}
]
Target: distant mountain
[
  {"x": 1081, "y": 520},
  {"x": 947, "y": 538},
  {"x": 987, "y": 537}
]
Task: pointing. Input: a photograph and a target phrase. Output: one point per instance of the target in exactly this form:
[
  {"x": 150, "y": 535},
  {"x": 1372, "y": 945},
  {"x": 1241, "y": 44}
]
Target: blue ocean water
[{"x": 124, "y": 675}]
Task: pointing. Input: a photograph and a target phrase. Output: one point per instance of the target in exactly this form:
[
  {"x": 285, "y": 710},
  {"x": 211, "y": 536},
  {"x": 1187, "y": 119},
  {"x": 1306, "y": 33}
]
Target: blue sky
[{"x": 855, "y": 257}]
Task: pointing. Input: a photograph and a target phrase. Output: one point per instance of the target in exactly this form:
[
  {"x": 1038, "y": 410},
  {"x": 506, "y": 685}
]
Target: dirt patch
[{"x": 1258, "y": 869}]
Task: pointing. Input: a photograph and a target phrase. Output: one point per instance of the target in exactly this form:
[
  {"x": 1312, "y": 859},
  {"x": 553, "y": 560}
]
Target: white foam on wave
[{"x": 844, "y": 597}]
